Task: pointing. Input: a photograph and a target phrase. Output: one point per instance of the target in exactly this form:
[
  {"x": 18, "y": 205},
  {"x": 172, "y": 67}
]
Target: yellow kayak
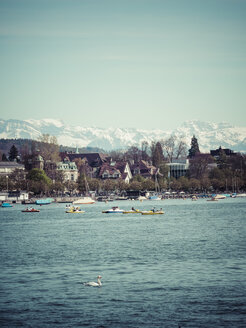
[
  {"x": 75, "y": 211},
  {"x": 131, "y": 211},
  {"x": 151, "y": 212}
]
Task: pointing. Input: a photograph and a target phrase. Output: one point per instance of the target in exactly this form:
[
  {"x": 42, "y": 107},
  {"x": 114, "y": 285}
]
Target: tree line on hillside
[{"x": 205, "y": 174}]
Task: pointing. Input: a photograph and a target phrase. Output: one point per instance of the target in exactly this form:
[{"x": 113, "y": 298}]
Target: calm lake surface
[{"x": 186, "y": 268}]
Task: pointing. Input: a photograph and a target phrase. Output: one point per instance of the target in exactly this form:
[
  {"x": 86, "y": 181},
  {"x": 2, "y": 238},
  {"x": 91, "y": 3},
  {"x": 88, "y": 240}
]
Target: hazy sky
[{"x": 123, "y": 63}]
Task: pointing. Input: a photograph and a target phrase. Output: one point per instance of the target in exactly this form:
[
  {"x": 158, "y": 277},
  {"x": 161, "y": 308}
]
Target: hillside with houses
[{"x": 167, "y": 167}]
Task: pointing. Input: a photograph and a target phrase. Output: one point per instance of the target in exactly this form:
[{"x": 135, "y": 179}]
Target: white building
[
  {"x": 178, "y": 168},
  {"x": 69, "y": 170},
  {"x": 6, "y": 168},
  {"x": 14, "y": 196}
]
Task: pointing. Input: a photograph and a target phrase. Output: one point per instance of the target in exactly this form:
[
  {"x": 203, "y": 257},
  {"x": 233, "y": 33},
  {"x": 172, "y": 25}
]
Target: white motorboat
[
  {"x": 218, "y": 196},
  {"x": 84, "y": 200},
  {"x": 114, "y": 209}
]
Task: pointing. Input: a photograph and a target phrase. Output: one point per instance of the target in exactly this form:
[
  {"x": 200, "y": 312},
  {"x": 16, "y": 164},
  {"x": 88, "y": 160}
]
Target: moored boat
[
  {"x": 154, "y": 197},
  {"x": 84, "y": 200},
  {"x": 44, "y": 201},
  {"x": 6, "y": 205},
  {"x": 213, "y": 199},
  {"x": 219, "y": 196}
]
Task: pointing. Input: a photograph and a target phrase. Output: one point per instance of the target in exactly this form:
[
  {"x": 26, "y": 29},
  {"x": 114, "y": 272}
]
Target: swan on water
[{"x": 94, "y": 284}]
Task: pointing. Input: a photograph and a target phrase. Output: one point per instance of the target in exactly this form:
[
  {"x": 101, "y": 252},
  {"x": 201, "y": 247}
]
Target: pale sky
[{"x": 123, "y": 63}]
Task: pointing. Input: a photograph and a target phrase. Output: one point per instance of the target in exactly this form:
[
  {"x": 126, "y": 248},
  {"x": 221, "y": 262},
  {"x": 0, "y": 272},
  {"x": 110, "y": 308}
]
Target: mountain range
[{"x": 209, "y": 135}]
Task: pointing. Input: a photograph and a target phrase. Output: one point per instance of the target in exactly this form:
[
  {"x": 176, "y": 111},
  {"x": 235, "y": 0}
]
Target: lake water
[{"x": 186, "y": 268}]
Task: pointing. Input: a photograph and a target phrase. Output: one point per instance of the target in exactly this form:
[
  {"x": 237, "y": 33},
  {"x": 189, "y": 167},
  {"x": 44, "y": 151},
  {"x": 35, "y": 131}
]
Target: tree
[
  {"x": 38, "y": 182},
  {"x": 133, "y": 153},
  {"x": 184, "y": 182},
  {"x": 122, "y": 185},
  {"x": 199, "y": 164},
  {"x": 71, "y": 186},
  {"x": 18, "y": 179},
  {"x": 138, "y": 178},
  {"x": 4, "y": 158},
  {"x": 176, "y": 185},
  {"x": 194, "y": 184},
  {"x": 13, "y": 153},
  {"x": 194, "y": 147},
  {"x": 174, "y": 147},
  {"x": 116, "y": 155},
  {"x": 135, "y": 185},
  {"x": 94, "y": 184},
  {"x": 148, "y": 184},
  {"x": 82, "y": 183},
  {"x": 49, "y": 149},
  {"x": 157, "y": 154},
  {"x": 83, "y": 166},
  {"x": 6, "y": 183},
  {"x": 144, "y": 150},
  {"x": 109, "y": 185},
  {"x": 222, "y": 159},
  {"x": 58, "y": 187}
]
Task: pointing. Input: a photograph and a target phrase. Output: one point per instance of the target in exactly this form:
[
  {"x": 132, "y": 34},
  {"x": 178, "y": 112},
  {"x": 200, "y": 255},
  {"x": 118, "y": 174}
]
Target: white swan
[{"x": 94, "y": 284}]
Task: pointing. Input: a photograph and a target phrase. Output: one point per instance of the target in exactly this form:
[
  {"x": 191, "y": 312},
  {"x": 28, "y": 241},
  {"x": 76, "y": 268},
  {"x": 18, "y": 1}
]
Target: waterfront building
[
  {"x": 144, "y": 169},
  {"x": 69, "y": 169},
  {"x": 6, "y": 168},
  {"x": 178, "y": 168},
  {"x": 116, "y": 170}
]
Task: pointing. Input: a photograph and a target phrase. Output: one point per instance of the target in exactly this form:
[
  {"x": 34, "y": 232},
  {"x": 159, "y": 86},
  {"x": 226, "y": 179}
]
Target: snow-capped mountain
[{"x": 209, "y": 135}]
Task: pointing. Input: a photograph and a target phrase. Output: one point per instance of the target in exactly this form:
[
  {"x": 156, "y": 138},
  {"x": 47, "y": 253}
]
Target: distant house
[
  {"x": 14, "y": 196},
  {"x": 116, "y": 170},
  {"x": 144, "y": 169},
  {"x": 178, "y": 168},
  {"x": 93, "y": 160},
  {"x": 6, "y": 168},
  {"x": 69, "y": 169},
  {"x": 216, "y": 153}
]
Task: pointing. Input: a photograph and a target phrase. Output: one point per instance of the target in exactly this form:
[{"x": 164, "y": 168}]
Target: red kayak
[{"x": 30, "y": 210}]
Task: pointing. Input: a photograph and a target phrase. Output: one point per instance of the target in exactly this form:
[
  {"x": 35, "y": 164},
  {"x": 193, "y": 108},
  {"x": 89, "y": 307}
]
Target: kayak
[
  {"x": 131, "y": 211},
  {"x": 75, "y": 211},
  {"x": 30, "y": 210},
  {"x": 151, "y": 212}
]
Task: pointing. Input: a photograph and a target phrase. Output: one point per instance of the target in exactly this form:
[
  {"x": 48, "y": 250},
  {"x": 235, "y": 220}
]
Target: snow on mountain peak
[
  {"x": 210, "y": 135},
  {"x": 46, "y": 121}
]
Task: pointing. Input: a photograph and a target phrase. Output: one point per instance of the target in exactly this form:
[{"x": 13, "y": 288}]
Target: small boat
[
  {"x": 6, "y": 205},
  {"x": 141, "y": 198},
  {"x": 155, "y": 197},
  {"x": 152, "y": 212},
  {"x": 30, "y": 210},
  {"x": 74, "y": 210},
  {"x": 240, "y": 195},
  {"x": 219, "y": 196},
  {"x": 44, "y": 201},
  {"x": 84, "y": 200},
  {"x": 121, "y": 198},
  {"x": 114, "y": 209},
  {"x": 131, "y": 211},
  {"x": 213, "y": 199}
]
